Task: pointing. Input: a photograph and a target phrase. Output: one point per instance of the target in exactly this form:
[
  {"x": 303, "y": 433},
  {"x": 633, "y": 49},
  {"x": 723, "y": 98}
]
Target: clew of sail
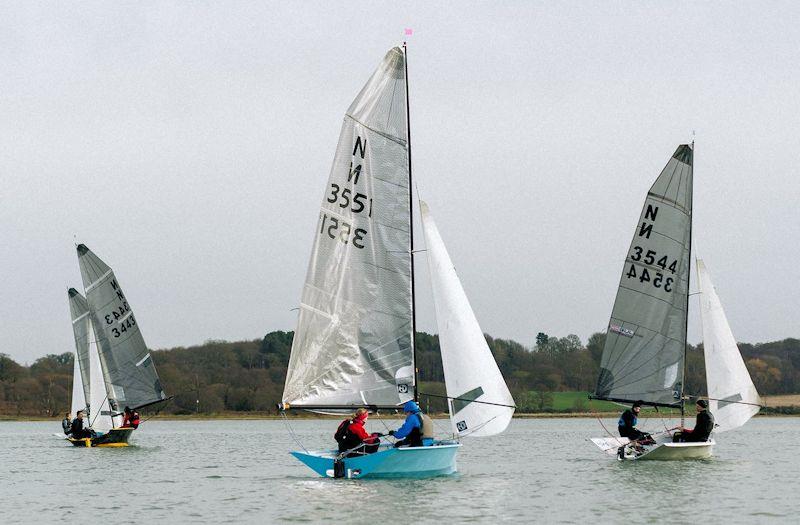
[
  {"x": 79, "y": 313},
  {"x": 354, "y": 337},
  {"x": 127, "y": 367},
  {"x": 733, "y": 396},
  {"x": 482, "y": 404},
  {"x": 644, "y": 352}
]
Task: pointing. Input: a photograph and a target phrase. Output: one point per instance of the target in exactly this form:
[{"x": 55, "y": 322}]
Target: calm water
[{"x": 539, "y": 470}]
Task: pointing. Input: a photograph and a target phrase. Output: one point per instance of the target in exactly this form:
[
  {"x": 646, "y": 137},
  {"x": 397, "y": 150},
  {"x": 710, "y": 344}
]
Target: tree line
[{"x": 248, "y": 376}]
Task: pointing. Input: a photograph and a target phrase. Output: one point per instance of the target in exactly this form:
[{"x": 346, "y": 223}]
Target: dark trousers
[
  {"x": 688, "y": 437},
  {"x": 364, "y": 449}
]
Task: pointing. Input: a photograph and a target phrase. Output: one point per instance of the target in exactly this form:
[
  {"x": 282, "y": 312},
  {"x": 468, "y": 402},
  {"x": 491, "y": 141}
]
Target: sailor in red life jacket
[
  {"x": 351, "y": 434},
  {"x": 131, "y": 419}
]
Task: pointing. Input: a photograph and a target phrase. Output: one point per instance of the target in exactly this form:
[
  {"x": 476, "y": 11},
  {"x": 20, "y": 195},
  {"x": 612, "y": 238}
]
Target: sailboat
[
  {"x": 354, "y": 342},
  {"x": 644, "y": 357},
  {"x": 113, "y": 367}
]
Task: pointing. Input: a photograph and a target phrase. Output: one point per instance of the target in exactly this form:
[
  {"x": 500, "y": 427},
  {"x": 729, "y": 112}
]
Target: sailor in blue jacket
[{"x": 417, "y": 430}]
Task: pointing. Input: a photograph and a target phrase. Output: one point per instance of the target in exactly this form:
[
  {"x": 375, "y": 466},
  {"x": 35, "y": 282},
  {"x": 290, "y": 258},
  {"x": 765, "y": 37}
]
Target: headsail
[
  {"x": 354, "y": 337},
  {"x": 78, "y": 396},
  {"x": 471, "y": 374},
  {"x": 79, "y": 313},
  {"x": 645, "y": 345},
  {"x": 128, "y": 369},
  {"x": 101, "y": 415},
  {"x": 730, "y": 387}
]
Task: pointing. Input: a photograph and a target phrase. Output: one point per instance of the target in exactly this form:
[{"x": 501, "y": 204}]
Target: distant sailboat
[
  {"x": 354, "y": 343},
  {"x": 644, "y": 357},
  {"x": 113, "y": 365}
]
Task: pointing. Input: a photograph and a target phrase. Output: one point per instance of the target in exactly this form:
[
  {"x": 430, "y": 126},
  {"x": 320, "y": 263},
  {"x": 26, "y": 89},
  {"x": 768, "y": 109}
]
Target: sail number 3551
[{"x": 344, "y": 232}]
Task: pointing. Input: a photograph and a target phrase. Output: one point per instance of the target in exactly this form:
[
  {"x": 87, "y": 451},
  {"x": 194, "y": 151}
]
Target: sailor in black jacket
[{"x": 703, "y": 426}]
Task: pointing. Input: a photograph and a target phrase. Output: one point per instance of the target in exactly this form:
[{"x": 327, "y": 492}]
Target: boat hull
[
  {"x": 678, "y": 451},
  {"x": 116, "y": 437},
  {"x": 404, "y": 462},
  {"x": 663, "y": 450}
]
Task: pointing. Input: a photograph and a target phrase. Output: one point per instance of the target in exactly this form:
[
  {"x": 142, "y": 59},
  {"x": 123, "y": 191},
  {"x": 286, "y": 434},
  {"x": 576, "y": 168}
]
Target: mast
[
  {"x": 411, "y": 229},
  {"x": 688, "y": 282}
]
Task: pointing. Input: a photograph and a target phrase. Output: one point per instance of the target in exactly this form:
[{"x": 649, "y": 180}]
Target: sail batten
[
  {"x": 646, "y": 338},
  {"x": 354, "y": 336}
]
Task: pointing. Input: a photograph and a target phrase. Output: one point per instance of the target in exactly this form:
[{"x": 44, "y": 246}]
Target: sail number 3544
[{"x": 650, "y": 257}]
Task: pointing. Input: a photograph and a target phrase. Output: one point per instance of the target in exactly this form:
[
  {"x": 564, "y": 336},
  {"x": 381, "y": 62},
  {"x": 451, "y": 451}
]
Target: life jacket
[
  {"x": 423, "y": 431},
  {"x": 344, "y": 437},
  {"x": 341, "y": 432},
  {"x": 134, "y": 421},
  {"x": 427, "y": 426}
]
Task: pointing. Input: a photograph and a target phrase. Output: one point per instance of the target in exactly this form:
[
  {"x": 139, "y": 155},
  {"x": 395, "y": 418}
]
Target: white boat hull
[{"x": 663, "y": 450}]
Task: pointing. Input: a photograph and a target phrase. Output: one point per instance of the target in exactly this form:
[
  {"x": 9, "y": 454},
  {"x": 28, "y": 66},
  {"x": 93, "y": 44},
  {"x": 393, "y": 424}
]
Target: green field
[{"x": 580, "y": 402}]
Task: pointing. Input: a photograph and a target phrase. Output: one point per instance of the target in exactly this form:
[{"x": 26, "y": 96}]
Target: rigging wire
[{"x": 291, "y": 432}]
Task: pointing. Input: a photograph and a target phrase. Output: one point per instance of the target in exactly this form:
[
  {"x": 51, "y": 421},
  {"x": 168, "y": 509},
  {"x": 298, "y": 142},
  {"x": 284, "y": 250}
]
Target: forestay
[
  {"x": 472, "y": 377},
  {"x": 353, "y": 343},
  {"x": 645, "y": 344},
  {"x": 79, "y": 313},
  {"x": 128, "y": 369},
  {"x": 732, "y": 396}
]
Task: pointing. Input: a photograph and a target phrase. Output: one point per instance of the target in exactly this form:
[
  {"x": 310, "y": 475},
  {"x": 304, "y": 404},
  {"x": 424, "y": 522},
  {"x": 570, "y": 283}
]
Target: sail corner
[
  {"x": 82, "y": 249},
  {"x": 684, "y": 154}
]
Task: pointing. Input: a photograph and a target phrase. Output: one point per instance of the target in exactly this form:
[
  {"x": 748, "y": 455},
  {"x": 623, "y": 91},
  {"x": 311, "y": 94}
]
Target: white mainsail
[
  {"x": 354, "y": 339},
  {"x": 729, "y": 382},
  {"x": 470, "y": 371}
]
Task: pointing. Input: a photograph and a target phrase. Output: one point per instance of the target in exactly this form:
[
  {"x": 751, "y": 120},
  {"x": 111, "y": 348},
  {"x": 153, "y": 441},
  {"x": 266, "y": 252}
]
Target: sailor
[
  {"x": 703, "y": 426},
  {"x": 627, "y": 423},
  {"x": 77, "y": 430},
  {"x": 351, "y": 434},
  {"x": 66, "y": 424},
  {"x": 131, "y": 419},
  {"x": 417, "y": 431}
]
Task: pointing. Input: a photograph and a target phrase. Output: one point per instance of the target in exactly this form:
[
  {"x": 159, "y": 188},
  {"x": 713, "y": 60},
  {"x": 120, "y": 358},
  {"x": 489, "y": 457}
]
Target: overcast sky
[{"x": 189, "y": 143}]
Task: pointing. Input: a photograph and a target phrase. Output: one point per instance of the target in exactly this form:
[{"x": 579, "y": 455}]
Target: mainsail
[
  {"x": 79, "y": 313},
  {"x": 354, "y": 337},
  {"x": 127, "y": 366},
  {"x": 732, "y": 396},
  {"x": 481, "y": 404},
  {"x": 645, "y": 345}
]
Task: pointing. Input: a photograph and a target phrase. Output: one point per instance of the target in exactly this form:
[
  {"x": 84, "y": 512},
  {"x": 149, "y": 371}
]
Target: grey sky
[{"x": 188, "y": 145}]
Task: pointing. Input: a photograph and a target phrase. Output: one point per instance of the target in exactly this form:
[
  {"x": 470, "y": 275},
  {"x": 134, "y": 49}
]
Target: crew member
[
  {"x": 627, "y": 424},
  {"x": 417, "y": 431},
  {"x": 131, "y": 418},
  {"x": 78, "y": 430},
  {"x": 703, "y": 426},
  {"x": 66, "y": 424},
  {"x": 351, "y": 435}
]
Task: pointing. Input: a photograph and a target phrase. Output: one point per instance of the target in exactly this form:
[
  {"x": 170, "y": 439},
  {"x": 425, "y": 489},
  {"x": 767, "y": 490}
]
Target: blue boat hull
[{"x": 438, "y": 459}]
